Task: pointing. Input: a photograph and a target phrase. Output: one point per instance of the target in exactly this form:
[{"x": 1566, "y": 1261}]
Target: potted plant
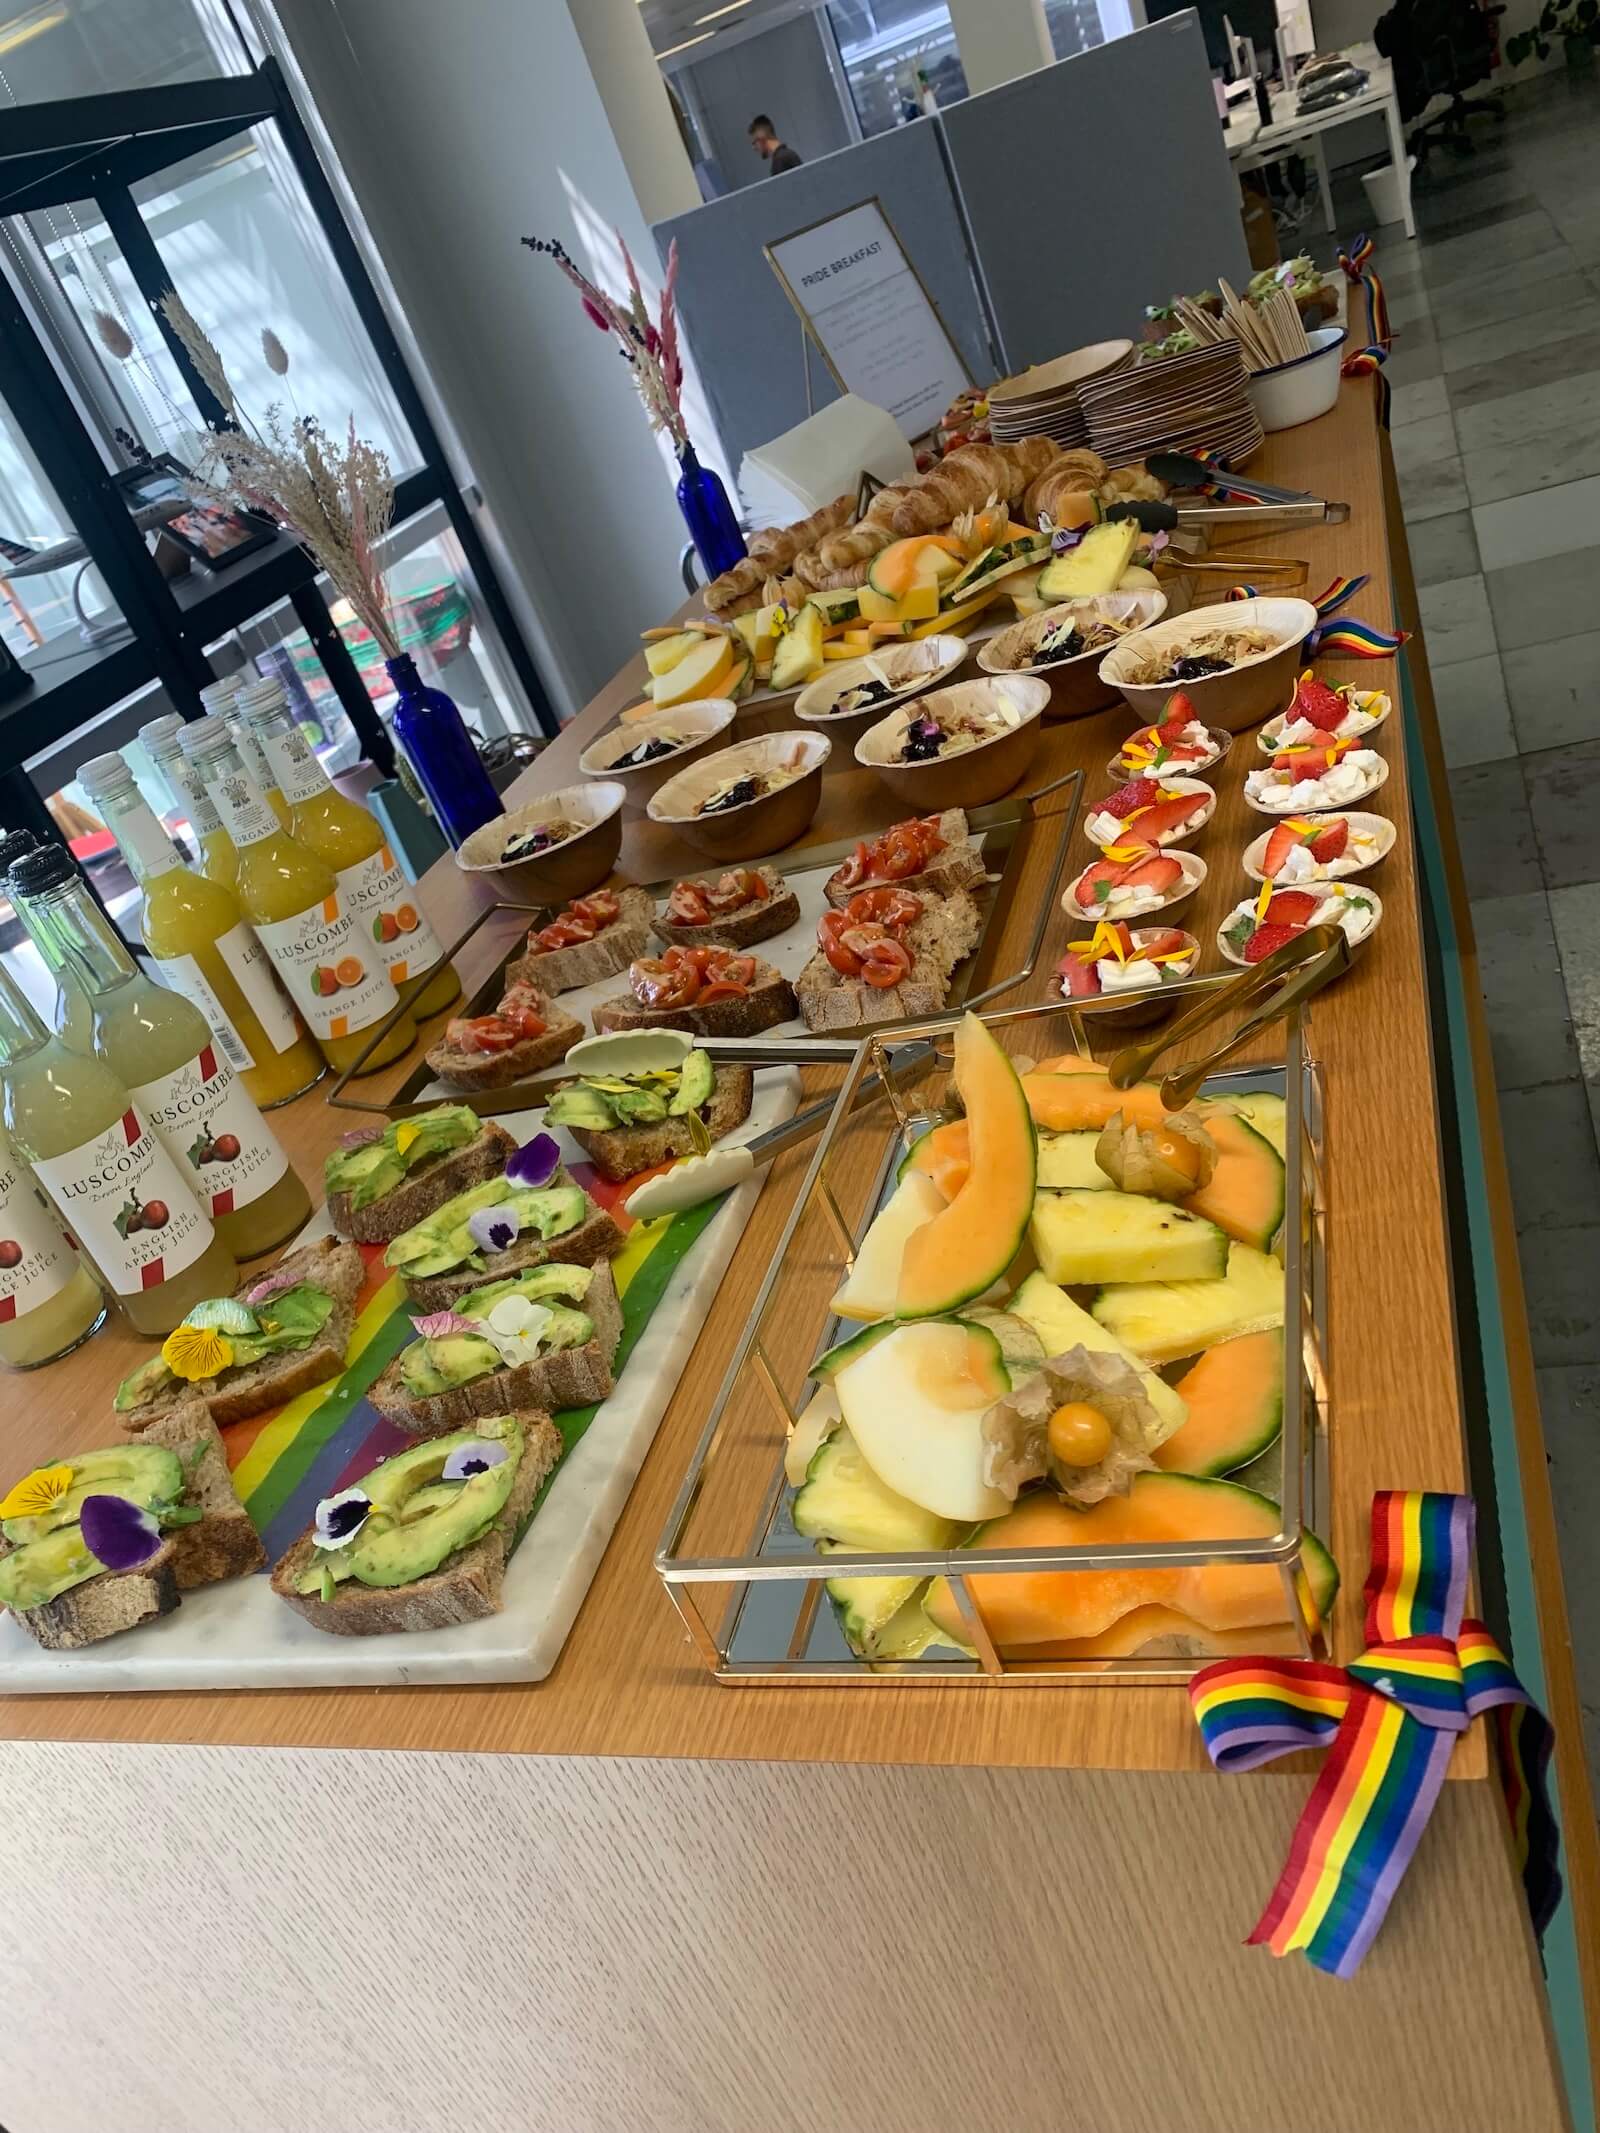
[{"x": 1575, "y": 22}]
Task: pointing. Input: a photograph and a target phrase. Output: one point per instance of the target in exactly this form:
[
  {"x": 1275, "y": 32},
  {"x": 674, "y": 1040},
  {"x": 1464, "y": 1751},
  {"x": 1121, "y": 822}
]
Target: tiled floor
[{"x": 1496, "y": 432}]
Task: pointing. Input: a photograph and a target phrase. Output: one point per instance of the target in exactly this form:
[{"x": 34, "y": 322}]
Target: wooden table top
[{"x": 627, "y": 1683}]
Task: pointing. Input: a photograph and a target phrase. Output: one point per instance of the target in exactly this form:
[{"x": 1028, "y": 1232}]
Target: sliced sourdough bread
[
  {"x": 769, "y": 1001},
  {"x": 222, "y": 1543},
  {"x": 612, "y": 949},
  {"x": 959, "y": 866},
  {"x": 467, "y": 1586},
  {"x": 943, "y": 936},
  {"x": 107, "y": 1605},
  {"x": 336, "y": 1268},
  {"x": 620, "y": 1152},
  {"x": 597, "y": 1236},
  {"x": 498, "y": 1070},
  {"x": 570, "y": 1377},
  {"x": 435, "y": 1179},
  {"x": 758, "y": 920}
]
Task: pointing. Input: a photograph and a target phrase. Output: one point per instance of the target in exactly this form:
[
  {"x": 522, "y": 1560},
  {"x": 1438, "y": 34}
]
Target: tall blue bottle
[
  {"x": 708, "y": 515},
  {"x": 449, "y": 769}
]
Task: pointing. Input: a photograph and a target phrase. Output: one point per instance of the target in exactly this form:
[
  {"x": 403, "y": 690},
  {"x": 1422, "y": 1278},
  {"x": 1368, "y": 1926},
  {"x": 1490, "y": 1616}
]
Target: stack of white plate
[
  {"x": 1043, "y": 401},
  {"x": 1190, "y": 403}
]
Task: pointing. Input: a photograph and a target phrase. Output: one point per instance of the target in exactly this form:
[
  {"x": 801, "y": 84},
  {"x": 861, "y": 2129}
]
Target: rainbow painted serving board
[{"x": 240, "y": 1635}]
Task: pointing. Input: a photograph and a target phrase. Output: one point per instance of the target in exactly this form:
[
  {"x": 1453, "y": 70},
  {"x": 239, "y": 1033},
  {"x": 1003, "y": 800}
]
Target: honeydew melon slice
[
  {"x": 914, "y": 1403},
  {"x": 662, "y": 656},
  {"x": 700, "y": 672}
]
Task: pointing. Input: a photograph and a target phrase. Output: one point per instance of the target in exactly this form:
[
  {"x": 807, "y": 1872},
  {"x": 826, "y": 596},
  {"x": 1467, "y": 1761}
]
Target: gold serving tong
[
  {"x": 1289, "y": 976},
  {"x": 1273, "y": 573}
]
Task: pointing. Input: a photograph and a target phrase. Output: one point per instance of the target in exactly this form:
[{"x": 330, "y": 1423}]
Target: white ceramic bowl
[
  {"x": 765, "y": 824},
  {"x": 1076, "y": 688},
  {"x": 973, "y": 775},
  {"x": 1241, "y": 696},
  {"x": 1379, "y": 777},
  {"x": 562, "y": 870},
  {"x": 1377, "y": 827},
  {"x": 1129, "y": 833},
  {"x": 1298, "y": 392},
  {"x": 1322, "y": 891},
  {"x": 1269, "y": 739},
  {"x": 698, "y": 725},
  {"x": 1194, "y": 874},
  {"x": 911, "y": 667}
]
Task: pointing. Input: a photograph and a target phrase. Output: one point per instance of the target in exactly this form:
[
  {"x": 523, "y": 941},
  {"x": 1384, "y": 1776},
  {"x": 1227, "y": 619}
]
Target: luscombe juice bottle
[
  {"x": 108, "y": 1173},
  {"x": 218, "y": 859},
  {"x": 49, "y": 1300},
  {"x": 334, "y": 977},
  {"x": 203, "y": 948},
  {"x": 72, "y": 1018},
  {"x": 375, "y": 890},
  {"x": 161, "y": 1048}
]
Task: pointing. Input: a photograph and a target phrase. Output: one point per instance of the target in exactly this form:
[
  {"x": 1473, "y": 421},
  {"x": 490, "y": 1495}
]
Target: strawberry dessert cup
[
  {"x": 1158, "y": 811},
  {"x": 1320, "y": 714},
  {"x": 1178, "y": 743},
  {"x": 1309, "y": 848},
  {"x": 1128, "y": 962},
  {"x": 1133, "y": 881},
  {"x": 1311, "y": 781},
  {"x": 1254, "y": 928}
]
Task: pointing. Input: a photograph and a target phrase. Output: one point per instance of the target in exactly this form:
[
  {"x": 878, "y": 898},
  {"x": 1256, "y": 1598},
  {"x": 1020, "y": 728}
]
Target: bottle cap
[
  {"x": 260, "y": 695},
  {"x": 204, "y": 737},
  {"x": 218, "y": 694},
  {"x": 47, "y": 866},
  {"x": 160, "y": 736},
  {"x": 104, "y": 774},
  {"x": 13, "y": 844}
]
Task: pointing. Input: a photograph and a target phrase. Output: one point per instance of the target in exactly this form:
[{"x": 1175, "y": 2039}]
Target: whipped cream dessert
[
  {"x": 1134, "y": 902},
  {"x": 1299, "y": 866},
  {"x": 1352, "y": 910},
  {"x": 1365, "y": 712},
  {"x": 1287, "y": 792}
]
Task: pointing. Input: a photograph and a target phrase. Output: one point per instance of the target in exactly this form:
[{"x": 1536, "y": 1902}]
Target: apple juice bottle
[
  {"x": 218, "y": 860},
  {"x": 108, "y": 1173},
  {"x": 375, "y": 890},
  {"x": 49, "y": 1300},
  {"x": 162, "y": 1049},
  {"x": 72, "y": 1017},
  {"x": 334, "y": 977}
]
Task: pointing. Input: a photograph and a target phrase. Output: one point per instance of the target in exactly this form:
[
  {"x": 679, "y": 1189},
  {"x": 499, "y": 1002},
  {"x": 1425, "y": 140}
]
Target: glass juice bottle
[
  {"x": 334, "y": 977},
  {"x": 161, "y": 1047},
  {"x": 49, "y": 1300},
  {"x": 72, "y": 1017},
  {"x": 218, "y": 859},
  {"x": 109, "y": 1174},
  {"x": 375, "y": 890},
  {"x": 203, "y": 948}
]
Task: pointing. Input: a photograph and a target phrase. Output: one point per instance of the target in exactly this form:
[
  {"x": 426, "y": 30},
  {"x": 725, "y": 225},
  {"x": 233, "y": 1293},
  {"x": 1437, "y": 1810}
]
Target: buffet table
[{"x": 631, "y": 1898}]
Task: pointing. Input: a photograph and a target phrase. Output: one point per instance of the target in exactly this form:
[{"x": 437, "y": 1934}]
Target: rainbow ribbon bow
[
  {"x": 1359, "y": 273},
  {"x": 1390, "y": 1721},
  {"x": 1347, "y": 638}
]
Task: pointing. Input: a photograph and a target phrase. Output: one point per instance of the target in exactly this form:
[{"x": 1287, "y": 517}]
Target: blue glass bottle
[
  {"x": 435, "y": 738},
  {"x": 708, "y": 515}
]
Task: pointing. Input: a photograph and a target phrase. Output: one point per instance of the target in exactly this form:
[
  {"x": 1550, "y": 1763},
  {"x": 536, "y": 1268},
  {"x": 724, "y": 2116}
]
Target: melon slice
[
  {"x": 1163, "y": 1320},
  {"x": 923, "y": 559},
  {"x": 1234, "y": 1395},
  {"x": 1162, "y": 1633},
  {"x": 1062, "y": 1324},
  {"x": 698, "y": 673},
  {"x": 1029, "y": 1611},
  {"x": 1266, "y": 1112},
  {"x": 914, "y": 1403},
  {"x": 1082, "y": 1103},
  {"x": 969, "y": 1245},
  {"x": 1244, "y": 1194},
  {"x": 1123, "y": 1237},
  {"x": 663, "y": 655},
  {"x": 1068, "y": 1159},
  {"x": 844, "y": 1501},
  {"x": 870, "y": 1287},
  {"x": 943, "y": 1154}
]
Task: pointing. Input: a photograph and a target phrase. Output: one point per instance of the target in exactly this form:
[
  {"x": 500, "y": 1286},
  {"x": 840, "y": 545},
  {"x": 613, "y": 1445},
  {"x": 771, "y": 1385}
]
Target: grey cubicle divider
[
  {"x": 745, "y": 334},
  {"x": 1095, "y": 187}
]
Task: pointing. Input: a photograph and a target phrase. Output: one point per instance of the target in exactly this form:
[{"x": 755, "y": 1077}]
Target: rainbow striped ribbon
[
  {"x": 1390, "y": 1721},
  {"x": 1358, "y": 271},
  {"x": 1348, "y": 638}
]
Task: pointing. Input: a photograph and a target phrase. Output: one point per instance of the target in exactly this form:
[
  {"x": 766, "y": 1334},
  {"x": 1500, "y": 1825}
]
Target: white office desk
[{"x": 1250, "y": 144}]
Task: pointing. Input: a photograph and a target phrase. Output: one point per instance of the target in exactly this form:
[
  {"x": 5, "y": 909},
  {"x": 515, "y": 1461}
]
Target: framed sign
[{"x": 864, "y": 304}]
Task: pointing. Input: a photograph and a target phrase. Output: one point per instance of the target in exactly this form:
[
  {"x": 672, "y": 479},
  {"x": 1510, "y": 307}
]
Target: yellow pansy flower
[
  {"x": 33, "y": 1495},
  {"x": 196, "y": 1352}
]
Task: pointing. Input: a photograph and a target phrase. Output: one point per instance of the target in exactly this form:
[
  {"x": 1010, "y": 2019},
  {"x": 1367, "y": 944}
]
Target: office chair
[{"x": 1440, "y": 48}]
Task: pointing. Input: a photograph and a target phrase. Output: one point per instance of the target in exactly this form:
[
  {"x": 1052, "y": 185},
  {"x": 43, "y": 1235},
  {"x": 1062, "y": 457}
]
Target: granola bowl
[
  {"x": 887, "y": 676},
  {"x": 1076, "y": 687},
  {"x": 980, "y": 737},
  {"x": 708, "y": 806},
  {"x": 1260, "y": 639}
]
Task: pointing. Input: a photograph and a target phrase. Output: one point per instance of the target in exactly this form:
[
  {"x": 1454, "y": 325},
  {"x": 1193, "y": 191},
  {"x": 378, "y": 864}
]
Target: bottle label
[
  {"x": 124, "y": 1199},
  {"x": 328, "y": 971},
  {"x": 389, "y": 913},
  {"x": 188, "y": 789},
  {"x": 145, "y": 844},
  {"x": 36, "y": 1261},
  {"x": 207, "y": 1119},
  {"x": 250, "y": 968},
  {"x": 293, "y": 762},
  {"x": 181, "y": 973},
  {"x": 245, "y": 814}
]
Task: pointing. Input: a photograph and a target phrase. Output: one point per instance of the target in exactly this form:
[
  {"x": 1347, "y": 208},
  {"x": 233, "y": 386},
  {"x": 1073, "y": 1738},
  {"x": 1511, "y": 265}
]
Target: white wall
[{"x": 463, "y": 128}]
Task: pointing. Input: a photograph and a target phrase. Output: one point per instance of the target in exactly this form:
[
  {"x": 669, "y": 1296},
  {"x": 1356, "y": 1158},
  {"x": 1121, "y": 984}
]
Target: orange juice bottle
[
  {"x": 218, "y": 860},
  {"x": 334, "y": 976},
  {"x": 371, "y": 882},
  {"x": 221, "y": 699}
]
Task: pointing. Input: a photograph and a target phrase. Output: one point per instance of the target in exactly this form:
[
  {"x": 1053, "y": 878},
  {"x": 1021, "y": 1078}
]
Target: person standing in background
[{"x": 764, "y": 140}]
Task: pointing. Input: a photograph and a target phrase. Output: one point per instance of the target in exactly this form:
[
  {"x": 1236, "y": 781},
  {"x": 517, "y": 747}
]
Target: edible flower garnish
[
  {"x": 493, "y": 1229},
  {"x": 405, "y": 1135},
  {"x": 438, "y": 1324},
  {"x": 340, "y": 1518},
  {"x": 360, "y": 1136},
  {"x": 1262, "y": 901},
  {"x": 469, "y": 1459},
  {"x": 1063, "y": 539},
  {"x": 222, "y": 1314},
  {"x": 1107, "y": 941},
  {"x": 118, "y": 1533},
  {"x": 1120, "y": 853},
  {"x": 194, "y": 1352},
  {"x": 273, "y": 1284},
  {"x": 514, "y": 1328},
  {"x": 33, "y": 1495},
  {"x": 535, "y": 1162}
]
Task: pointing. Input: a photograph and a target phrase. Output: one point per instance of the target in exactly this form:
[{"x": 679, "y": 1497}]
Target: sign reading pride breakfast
[{"x": 871, "y": 317}]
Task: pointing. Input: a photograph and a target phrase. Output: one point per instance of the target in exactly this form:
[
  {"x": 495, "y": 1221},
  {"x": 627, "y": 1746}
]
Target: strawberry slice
[
  {"x": 1080, "y": 980},
  {"x": 1265, "y": 939},
  {"x": 1180, "y": 709},
  {"x": 1318, "y": 705},
  {"x": 1137, "y": 793},
  {"x": 1279, "y": 845},
  {"x": 1329, "y": 839},
  {"x": 1158, "y": 872},
  {"x": 1291, "y": 907},
  {"x": 1169, "y": 818},
  {"x": 1124, "y": 936},
  {"x": 1168, "y": 942},
  {"x": 1306, "y": 762},
  {"x": 1094, "y": 882}
]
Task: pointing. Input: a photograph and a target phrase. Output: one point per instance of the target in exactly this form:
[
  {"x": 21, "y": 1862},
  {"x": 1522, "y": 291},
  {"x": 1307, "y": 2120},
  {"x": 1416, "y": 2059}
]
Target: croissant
[
  {"x": 747, "y": 576},
  {"x": 1069, "y": 473},
  {"x": 1028, "y": 458},
  {"x": 963, "y": 480},
  {"x": 857, "y": 544},
  {"x": 779, "y": 545}
]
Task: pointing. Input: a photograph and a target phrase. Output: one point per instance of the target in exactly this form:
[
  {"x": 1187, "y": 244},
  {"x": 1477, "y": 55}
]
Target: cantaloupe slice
[
  {"x": 1265, "y": 1111},
  {"x": 1082, "y": 1103},
  {"x": 1162, "y": 1633},
  {"x": 698, "y": 673},
  {"x": 962, "y": 1251},
  {"x": 1163, "y": 1320},
  {"x": 1234, "y": 1395},
  {"x": 1244, "y": 1195},
  {"x": 923, "y": 559},
  {"x": 1068, "y": 1063},
  {"x": 944, "y": 1154},
  {"x": 869, "y": 1290},
  {"x": 1025, "y": 1611}
]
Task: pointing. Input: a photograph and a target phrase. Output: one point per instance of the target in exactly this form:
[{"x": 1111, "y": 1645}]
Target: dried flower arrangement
[{"x": 650, "y": 345}]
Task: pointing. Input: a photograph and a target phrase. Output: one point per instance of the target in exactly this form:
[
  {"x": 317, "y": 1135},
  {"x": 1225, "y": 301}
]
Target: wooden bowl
[
  {"x": 698, "y": 724},
  {"x": 1321, "y": 890},
  {"x": 1076, "y": 689},
  {"x": 910, "y": 667},
  {"x": 565, "y": 870},
  {"x": 1235, "y": 700},
  {"x": 757, "y": 827},
  {"x": 1135, "y": 1010},
  {"x": 975, "y": 774},
  {"x": 1377, "y": 827}
]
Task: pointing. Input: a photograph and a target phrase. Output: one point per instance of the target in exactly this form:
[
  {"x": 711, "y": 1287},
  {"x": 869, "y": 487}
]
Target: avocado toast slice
[
  {"x": 542, "y": 1339},
  {"x": 626, "y": 1123},
  {"x": 423, "y": 1540},
  {"x": 380, "y": 1181},
  {"x": 456, "y": 1249}
]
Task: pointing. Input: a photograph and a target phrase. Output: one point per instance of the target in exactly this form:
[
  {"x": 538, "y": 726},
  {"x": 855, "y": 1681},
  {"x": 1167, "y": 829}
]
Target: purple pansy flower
[
  {"x": 493, "y": 1229},
  {"x": 340, "y": 1518},
  {"x": 535, "y": 1162},
  {"x": 1064, "y": 539},
  {"x": 274, "y": 1284},
  {"x": 118, "y": 1533},
  {"x": 436, "y": 1324},
  {"x": 469, "y": 1459}
]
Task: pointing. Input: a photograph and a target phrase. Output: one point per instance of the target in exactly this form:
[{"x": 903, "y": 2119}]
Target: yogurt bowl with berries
[
  {"x": 1318, "y": 848},
  {"x": 1133, "y": 881},
  {"x": 1310, "y": 781},
  {"x": 1151, "y": 810},
  {"x": 1130, "y": 964},
  {"x": 1254, "y": 928},
  {"x": 1320, "y": 714}
]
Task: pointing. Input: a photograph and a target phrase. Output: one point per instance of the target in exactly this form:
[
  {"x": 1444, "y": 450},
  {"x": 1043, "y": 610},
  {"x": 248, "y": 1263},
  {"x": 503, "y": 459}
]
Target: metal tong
[
  {"x": 1291, "y": 974},
  {"x": 1266, "y": 503}
]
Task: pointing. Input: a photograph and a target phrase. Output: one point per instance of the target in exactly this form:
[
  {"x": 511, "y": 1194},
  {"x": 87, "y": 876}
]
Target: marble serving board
[{"x": 240, "y": 1635}]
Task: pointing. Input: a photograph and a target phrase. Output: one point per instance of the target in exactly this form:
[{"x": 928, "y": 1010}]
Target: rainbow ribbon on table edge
[
  {"x": 1369, "y": 361},
  {"x": 1346, "y": 638},
  {"x": 1390, "y": 1721}
]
